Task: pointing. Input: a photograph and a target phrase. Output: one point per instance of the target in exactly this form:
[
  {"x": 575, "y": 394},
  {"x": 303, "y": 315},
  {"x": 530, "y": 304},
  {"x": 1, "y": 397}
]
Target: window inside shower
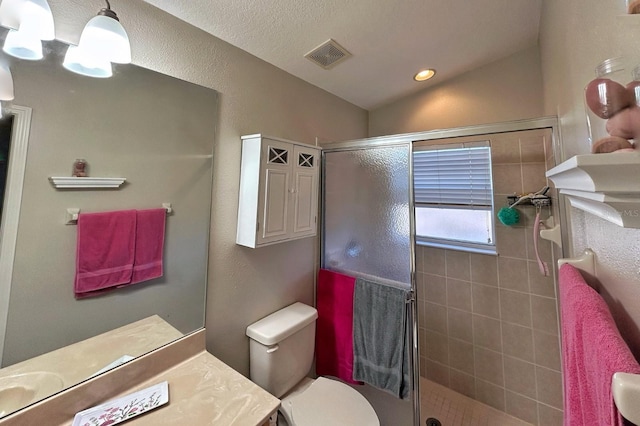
[{"x": 453, "y": 195}]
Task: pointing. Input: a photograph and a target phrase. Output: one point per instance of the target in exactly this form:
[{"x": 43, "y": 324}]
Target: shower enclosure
[{"x": 368, "y": 230}]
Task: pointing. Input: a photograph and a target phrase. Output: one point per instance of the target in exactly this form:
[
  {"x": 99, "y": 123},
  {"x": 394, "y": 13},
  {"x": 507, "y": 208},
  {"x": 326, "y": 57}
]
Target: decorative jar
[{"x": 611, "y": 107}]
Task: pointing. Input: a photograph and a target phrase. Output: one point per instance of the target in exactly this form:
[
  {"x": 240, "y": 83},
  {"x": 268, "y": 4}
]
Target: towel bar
[
  {"x": 586, "y": 262},
  {"x": 71, "y": 216}
]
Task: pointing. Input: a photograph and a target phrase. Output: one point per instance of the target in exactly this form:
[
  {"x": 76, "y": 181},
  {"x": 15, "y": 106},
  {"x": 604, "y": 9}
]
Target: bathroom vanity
[{"x": 202, "y": 389}]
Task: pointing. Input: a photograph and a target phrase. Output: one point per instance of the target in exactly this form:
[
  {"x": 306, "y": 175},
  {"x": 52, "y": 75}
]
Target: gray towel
[{"x": 380, "y": 353}]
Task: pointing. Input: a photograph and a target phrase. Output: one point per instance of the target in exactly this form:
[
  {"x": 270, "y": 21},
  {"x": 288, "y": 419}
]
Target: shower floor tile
[{"x": 454, "y": 409}]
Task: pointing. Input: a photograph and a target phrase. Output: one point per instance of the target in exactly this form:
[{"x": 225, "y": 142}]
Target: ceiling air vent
[{"x": 328, "y": 54}]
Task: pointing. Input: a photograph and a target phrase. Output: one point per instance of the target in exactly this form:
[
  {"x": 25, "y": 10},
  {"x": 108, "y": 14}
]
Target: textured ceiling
[{"x": 389, "y": 40}]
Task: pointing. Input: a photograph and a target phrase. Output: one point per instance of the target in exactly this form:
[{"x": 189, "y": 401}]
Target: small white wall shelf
[
  {"x": 605, "y": 185},
  {"x": 86, "y": 182}
]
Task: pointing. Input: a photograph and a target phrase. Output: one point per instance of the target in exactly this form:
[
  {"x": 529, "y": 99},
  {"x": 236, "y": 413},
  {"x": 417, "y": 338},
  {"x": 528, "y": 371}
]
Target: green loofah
[{"x": 508, "y": 216}]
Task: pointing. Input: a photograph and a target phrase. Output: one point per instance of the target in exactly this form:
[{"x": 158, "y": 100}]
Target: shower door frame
[{"x": 407, "y": 139}]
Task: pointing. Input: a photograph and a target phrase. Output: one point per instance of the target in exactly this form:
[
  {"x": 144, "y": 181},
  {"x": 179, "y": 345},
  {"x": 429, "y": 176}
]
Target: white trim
[
  {"x": 612, "y": 173},
  {"x": 11, "y": 214},
  {"x": 602, "y": 184},
  {"x": 468, "y": 247}
]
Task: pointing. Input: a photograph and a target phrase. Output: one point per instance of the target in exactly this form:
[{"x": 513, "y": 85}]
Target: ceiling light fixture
[
  {"x": 6, "y": 83},
  {"x": 424, "y": 75},
  {"x": 103, "y": 41},
  {"x": 30, "y": 22}
]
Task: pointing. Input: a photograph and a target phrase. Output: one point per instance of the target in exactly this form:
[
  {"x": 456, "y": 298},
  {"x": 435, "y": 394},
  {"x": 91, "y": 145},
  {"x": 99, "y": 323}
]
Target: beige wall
[
  {"x": 575, "y": 36},
  {"x": 488, "y": 325},
  {"x": 244, "y": 284},
  {"x": 508, "y": 89}
]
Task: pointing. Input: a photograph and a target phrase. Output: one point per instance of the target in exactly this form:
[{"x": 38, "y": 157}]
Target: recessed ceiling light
[{"x": 424, "y": 75}]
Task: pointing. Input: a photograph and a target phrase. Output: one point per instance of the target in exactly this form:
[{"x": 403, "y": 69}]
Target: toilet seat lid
[{"x": 329, "y": 402}]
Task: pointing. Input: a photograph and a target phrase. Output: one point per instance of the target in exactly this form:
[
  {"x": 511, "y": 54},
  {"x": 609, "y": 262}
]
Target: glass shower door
[
  {"x": 366, "y": 213},
  {"x": 367, "y": 233}
]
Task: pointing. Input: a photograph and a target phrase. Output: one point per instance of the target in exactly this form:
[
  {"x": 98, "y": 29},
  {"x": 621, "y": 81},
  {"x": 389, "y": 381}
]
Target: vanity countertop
[
  {"x": 202, "y": 391},
  {"x": 205, "y": 391}
]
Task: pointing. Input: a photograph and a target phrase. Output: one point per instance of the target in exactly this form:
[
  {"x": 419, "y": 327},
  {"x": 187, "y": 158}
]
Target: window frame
[{"x": 450, "y": 243}]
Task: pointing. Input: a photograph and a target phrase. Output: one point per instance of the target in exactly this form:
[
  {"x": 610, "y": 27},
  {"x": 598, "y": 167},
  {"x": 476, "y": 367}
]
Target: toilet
[{"x": 281, "y": 349}]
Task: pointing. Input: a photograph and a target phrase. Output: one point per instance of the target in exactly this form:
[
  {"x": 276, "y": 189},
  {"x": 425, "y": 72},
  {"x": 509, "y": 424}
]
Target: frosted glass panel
[{"x": 366, "y": 212}]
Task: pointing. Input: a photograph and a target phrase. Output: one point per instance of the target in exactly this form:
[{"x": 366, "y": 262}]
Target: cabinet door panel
[
  {"x": 276, "y": 204},
  {"x": 274, "y": 223},
  {"x": 305, "y": 191},
  {"x": 305, "y": 202}
]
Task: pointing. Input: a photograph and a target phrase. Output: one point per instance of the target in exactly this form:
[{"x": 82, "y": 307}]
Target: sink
[{"x": 19, "y": 390}]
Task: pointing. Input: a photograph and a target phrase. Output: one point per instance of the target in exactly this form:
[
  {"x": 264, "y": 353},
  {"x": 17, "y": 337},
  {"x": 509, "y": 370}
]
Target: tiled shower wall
[{"x": 488, "y": 324}]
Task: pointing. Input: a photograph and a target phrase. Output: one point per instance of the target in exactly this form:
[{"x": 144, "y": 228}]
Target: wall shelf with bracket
[
  {"x": 86, "y": 182},
  {"x": 605, "y": 185}
]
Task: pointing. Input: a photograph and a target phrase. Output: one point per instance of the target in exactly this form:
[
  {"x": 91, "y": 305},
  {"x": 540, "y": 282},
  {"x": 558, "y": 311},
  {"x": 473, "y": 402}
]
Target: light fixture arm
[{"x": 108, "y": 12}]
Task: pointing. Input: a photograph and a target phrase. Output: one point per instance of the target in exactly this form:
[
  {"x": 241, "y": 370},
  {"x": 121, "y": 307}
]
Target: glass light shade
[
  {"x": 10, "y": 13},
  {"x": 23, "y": 45},
  {"x": 80, "y": 61},
  {"x": 14, "y": 14},
  {"x": 39, "y": 12},
  {"x": 105, "y": 36},
  {"x": 6, "y": 83}
]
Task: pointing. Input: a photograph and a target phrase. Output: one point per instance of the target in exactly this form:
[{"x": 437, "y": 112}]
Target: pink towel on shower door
[
  {"x": 592, "y": 351},
  {"x": 105, "y": 250},
  {"x": 334, "y": 328},
  {"x": 149, "y": 245}
]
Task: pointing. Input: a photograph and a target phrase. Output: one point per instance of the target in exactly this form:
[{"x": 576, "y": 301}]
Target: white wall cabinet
[{"x": 278, "y": 191}]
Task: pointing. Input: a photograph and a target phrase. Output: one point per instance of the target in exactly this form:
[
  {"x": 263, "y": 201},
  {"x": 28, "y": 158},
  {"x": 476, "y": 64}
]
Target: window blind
[{"x": 453, "y": 175}]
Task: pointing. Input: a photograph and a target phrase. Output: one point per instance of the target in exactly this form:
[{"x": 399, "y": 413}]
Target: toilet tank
[{"x": 281, "y": 348}]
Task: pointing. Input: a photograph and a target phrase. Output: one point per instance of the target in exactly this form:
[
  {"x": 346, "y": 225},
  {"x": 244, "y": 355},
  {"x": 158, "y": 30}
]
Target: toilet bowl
[
  {"x": 281, "y": 349},
  {"x": 323, "y": 402}
]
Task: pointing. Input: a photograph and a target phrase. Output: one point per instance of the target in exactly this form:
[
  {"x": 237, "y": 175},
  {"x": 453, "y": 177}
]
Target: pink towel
[
  {"x": 149, "y": 245},
  {"x": 334, "y": 328},
  {"x": 592, "y": 351},
  {"x": 105, "y": 250}
]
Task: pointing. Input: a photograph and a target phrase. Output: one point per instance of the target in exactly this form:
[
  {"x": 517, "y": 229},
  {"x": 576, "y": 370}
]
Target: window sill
[{"x": 488, "y": 251}]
